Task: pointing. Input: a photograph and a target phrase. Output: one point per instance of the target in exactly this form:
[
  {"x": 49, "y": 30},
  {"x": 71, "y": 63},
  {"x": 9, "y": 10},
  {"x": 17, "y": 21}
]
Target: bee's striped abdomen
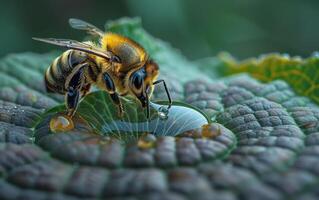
[{"x": 59, "y": 70}]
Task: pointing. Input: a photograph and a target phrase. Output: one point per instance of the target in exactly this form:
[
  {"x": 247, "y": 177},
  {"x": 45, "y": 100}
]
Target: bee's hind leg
[
  {"x": 72, "y": 100},
  {"x": 74, "y": 85}
]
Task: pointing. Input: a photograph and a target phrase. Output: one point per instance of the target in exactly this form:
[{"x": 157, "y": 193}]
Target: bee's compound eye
[{"x": 137, "y": 79}]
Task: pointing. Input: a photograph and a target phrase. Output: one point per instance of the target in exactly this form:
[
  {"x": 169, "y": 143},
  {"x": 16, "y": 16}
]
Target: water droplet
[
  {"x": 163, "y": 112},
  {"x": 179, "y": 119},
  {"x": 146, "y": 141},
  {"x": 209, "y": 131},
  {"x": 61, "y": 123}
]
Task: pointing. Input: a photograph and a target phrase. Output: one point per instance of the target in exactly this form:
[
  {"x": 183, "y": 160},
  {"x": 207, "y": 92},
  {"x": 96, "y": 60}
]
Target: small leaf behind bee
[{"x": 301, "y": 74}]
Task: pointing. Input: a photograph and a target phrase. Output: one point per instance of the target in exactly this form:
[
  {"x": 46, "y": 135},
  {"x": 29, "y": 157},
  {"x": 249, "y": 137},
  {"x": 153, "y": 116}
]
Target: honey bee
[{"x": 117, "y": 65}]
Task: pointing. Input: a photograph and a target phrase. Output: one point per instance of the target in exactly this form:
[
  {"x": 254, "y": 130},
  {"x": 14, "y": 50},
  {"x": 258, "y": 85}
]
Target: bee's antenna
[
  {"x": 147, "y": 101},
  {"x": 147, "y": 107},
  {"x": 170, "y": 102}
]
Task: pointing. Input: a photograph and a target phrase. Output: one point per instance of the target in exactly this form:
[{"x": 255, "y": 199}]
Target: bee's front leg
[
  {"x": 110, "y": 88},
  {"x": 116, "y": 100}
]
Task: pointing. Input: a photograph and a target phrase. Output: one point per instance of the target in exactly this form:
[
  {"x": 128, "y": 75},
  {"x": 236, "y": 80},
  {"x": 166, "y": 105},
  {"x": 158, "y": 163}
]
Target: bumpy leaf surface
[{"x": 268, "y": 147}]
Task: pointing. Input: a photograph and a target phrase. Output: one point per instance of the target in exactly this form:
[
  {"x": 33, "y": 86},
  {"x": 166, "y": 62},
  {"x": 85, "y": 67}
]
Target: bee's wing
[
  {"x": 76, "y": 45},
  {"x": 82, "y": 25}
]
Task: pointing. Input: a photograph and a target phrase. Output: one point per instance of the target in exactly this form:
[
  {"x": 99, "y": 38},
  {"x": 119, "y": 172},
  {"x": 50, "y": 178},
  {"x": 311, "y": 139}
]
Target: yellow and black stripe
[{"x": 61, "y": 67}]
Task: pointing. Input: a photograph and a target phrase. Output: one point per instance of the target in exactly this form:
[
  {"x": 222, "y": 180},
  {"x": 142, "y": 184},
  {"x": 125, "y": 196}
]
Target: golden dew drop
[{"x": 61, "y": 123}]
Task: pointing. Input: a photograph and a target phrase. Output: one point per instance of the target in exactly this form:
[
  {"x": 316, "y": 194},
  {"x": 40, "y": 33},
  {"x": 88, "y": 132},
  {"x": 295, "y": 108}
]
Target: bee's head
[{"x": 141, "y": 81}]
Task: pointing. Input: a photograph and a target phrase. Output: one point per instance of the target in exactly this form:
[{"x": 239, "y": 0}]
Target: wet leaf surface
[{"x": 101, "y": 114}]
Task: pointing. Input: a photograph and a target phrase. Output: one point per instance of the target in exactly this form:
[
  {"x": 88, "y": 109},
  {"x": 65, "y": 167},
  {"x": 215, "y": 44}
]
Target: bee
[{"x": 117, "y": 65}]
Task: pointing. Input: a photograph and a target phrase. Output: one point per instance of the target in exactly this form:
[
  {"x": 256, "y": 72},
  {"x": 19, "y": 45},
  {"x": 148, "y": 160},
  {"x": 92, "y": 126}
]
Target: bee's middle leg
[{"x": 85, "y": 90}]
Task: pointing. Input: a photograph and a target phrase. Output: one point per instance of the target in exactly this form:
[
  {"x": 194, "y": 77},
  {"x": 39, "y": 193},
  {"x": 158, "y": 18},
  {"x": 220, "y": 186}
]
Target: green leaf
[
  {"x": 301, "y": 74},
  {"x": 266, "y": 146}
]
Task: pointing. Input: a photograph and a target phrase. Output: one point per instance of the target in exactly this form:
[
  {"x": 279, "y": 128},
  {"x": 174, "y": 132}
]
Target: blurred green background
[{"x": 244, "y": 28}]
